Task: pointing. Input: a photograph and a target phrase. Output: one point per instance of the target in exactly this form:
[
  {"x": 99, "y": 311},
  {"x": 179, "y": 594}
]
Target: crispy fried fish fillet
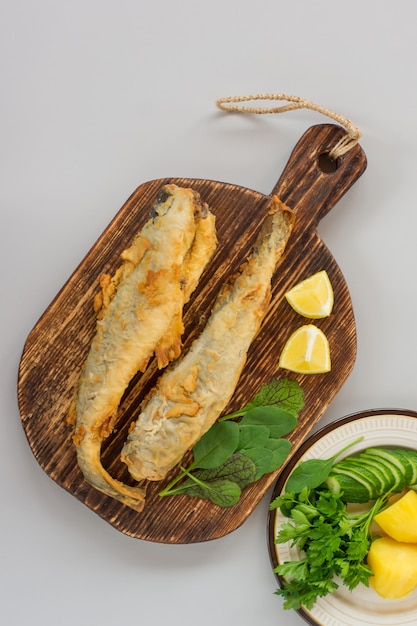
[
  {"x": 193, "y": 391},
  {"x": 139, "y": 314}
]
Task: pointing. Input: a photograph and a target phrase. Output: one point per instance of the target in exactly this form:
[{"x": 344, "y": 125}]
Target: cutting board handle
[{"x": 312, "y": 183}]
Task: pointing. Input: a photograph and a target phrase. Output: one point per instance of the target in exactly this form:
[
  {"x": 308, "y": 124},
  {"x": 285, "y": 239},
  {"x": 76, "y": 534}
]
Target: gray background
[{"x": 98, "y": 97}]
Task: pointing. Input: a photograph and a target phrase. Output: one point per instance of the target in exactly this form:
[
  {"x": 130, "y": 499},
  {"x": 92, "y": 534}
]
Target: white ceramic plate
[{"x": 363, "y": 606}]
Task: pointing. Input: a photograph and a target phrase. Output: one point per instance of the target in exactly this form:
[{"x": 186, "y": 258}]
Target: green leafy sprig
[
  {"x": 234, "y": 454},
  {"x": 313, "y": 472},
  {"x": 334, "y": 543}
]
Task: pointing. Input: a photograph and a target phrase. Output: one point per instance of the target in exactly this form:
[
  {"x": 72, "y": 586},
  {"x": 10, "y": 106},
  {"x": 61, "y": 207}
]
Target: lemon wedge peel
[
  {"x": 306, "y": 351},
  {"x": 312, "y": 297}
]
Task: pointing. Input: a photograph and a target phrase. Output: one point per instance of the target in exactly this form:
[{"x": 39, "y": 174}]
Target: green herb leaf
[
  {"x": 293, "y": 569},
  {"x": 277, "y": 420},
  {"x": 270, "y": 457},
  {"x": 222, "y": 491},
  {"x": 239, "y": 468},
  {"x": 262, "y": 458},
  {"x": 252, "y": 436},
  {"x": 289, "y": 532},
  {"x": 357, "y": 574},
  {"x": 284, "y": 393},
  {"x": 313, "y": 472},
  {"x": 216, "y": 445},
  {"x": 329, "y": 506},
  {"x": 202, "y": 483},
  {"x": 280, "y": 450}
]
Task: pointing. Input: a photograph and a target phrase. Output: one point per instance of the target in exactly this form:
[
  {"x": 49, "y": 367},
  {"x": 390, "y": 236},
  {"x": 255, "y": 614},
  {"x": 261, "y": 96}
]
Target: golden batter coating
[
  {"x": 139, "y": 313},
  {"x": 194, "y": 390}
]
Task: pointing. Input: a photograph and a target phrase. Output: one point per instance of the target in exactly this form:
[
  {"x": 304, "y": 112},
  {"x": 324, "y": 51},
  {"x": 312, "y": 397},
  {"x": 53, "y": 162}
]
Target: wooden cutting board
[{"x": 55, "y": 349}]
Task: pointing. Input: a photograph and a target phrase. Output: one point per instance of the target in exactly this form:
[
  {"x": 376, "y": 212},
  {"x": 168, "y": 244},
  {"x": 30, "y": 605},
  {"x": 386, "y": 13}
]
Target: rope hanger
[{"x": 346, "y": 143}]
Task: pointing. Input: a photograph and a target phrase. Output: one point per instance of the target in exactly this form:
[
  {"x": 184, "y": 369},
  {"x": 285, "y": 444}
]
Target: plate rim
[{"x": 304, "y": 447}]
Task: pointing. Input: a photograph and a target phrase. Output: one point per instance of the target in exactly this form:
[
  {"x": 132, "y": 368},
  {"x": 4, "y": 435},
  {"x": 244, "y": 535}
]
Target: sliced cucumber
[
  {"x": 352, "y": 490},
  {"x": 354, "y": 483},
  {"x": 372, "y": 473},
  {"x": 408, "y": 457},
  {"x": 357, "y": 470},
  {"x": 380, "y": 477},
  {"x": 396, "y": 464},
  {"x": 381, "y": 470},
  {"x": 396, "y": 480},
  {"x": 412, "y": 457}
]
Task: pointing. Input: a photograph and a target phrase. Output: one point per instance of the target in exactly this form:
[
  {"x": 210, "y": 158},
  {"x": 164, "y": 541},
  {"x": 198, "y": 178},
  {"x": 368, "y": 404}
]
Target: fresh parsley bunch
[
  {"x": 234, "y": 454},
  {"x": 333, "y": 542}
]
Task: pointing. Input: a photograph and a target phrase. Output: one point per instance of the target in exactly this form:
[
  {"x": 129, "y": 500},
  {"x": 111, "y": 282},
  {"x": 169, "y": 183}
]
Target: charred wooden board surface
[{"x": 55, "y": 349}]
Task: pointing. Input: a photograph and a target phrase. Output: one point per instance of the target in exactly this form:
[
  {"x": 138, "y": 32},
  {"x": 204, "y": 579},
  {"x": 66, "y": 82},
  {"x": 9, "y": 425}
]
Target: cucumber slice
[
  {"x": 352, "y": 466},
  {"x": 396, "y": 465},
  {"x": 383, "y": 470},
  {"x": 357, "y": 481},
  {"x": 352, "y": 490},
  {"x": 409, "y": 459},
  {"x": 382, "y": 478},
  {"x": 394, "y": 478}
]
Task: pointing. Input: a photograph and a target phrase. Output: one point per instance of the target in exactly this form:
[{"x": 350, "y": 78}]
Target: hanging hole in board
[{"x": 327, "y": 164}]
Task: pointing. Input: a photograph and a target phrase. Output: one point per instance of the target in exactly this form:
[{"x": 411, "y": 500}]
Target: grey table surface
[{"x": 100, "y": 96}]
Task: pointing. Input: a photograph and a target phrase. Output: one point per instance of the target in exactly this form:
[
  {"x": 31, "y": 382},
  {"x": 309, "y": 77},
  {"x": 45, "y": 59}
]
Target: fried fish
[
  {"x": 139, "y": 314},
  {"x": 194, "y": 390}
]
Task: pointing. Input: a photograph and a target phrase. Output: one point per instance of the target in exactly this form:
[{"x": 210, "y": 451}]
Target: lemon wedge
[
  {"x": 312, "y": 297},
  {"x": 306, "y": 351}
]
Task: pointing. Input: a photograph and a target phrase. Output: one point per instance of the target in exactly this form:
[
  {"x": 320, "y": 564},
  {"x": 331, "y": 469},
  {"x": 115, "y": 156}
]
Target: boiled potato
[
  {"x": 394, "y": 565},
  {"x": 399, "y": 520}
]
